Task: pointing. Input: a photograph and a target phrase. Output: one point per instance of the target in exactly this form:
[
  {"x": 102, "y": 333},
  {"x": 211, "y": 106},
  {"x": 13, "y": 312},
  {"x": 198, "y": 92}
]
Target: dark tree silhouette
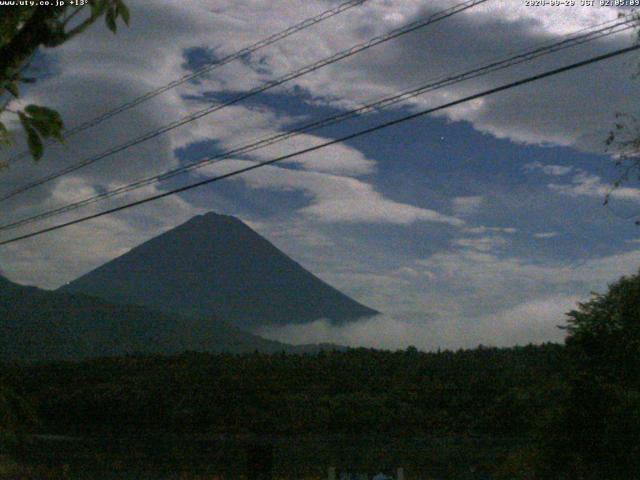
[
  {"x": 596, "y": 433},
  {"x": 23, "y": 30}
]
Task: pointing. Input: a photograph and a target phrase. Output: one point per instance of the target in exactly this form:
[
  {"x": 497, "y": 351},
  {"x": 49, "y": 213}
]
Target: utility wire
[
  {"x": 360, "y": 133},
  {"x": 571, "y": 40},
  {"x": 308, "y": 22},
  {"x": 255, "y": 91}
]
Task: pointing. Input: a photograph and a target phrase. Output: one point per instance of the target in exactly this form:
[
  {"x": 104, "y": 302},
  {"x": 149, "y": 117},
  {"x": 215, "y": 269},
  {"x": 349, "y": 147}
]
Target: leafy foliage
[
  {"x": 439, "y": 412},
  {"x": 623, "y": 142},
  {"x": 38, "y": 123},
  {"x": 17, "y": 416},
  {"x": 595, "y": 434},
  {"x": 353, "y": 392},
  {"x": 24, "y": 29},
  {"x": 604, "y": 333}
]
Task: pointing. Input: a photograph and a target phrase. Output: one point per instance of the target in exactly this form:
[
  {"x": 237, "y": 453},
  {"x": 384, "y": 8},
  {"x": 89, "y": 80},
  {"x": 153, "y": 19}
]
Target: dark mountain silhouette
[
  {"x": 216, "y": 265},
  {"x": 37, "y": 325}
]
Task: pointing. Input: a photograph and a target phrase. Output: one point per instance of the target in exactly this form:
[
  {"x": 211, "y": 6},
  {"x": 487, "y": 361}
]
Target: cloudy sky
[{"x": 480, "y": 224}]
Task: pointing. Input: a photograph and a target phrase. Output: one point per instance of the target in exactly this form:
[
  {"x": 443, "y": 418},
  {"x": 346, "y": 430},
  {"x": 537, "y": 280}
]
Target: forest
[
  {"x": 547, "y": 411},
  {"x": 483, "y": 391},
  {"x": 476, "y": 407}
]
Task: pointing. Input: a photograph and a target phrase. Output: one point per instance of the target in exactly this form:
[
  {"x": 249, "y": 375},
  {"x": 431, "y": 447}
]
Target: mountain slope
[
  {"x": 38, "y": 325},
  {"x": 216, "y": 265}
]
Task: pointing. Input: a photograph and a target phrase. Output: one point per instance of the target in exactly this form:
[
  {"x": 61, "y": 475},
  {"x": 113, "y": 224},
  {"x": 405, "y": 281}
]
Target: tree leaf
[
  {"x": 5, "y": 135},
  {"x": 110, "y": 18},
  {"x": 33, "y": 139},
  {"x": 12, "y": 88},
  {"x": 47, "y": 121},
  {"x": 123, "y": 10},
  {"x": 97, "y": 7},
  {"x": 44, "y": 112},
  {"x": 43, "y": 127}
]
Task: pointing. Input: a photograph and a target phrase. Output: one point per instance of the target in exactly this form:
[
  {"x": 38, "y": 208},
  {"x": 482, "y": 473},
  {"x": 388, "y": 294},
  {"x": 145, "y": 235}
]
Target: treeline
[
  {"x": 569, "y": 411},
  {"x": 486, "y": 391}
]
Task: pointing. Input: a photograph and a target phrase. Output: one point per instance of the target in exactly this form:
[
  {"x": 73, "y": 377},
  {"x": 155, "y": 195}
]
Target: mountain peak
[
  {"x": 210, "y": 218},
  {"x": 215, "y": 264},
  {"x": 215, "y": 216}
]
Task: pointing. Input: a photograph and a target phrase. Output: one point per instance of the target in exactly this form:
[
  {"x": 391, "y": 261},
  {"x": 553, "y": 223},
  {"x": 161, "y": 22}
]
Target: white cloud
[
  {"x": 477, "y": 280},
  {"x": 334, "y": 198},
  {"x": 555, "y": 170},
  {"x": 583, "y": 183},
  {"x": 52, "y": 259},
  {"x": 153, "y": 57},
  {"x": 521, "y": 114},
  {"x": 481, "y": 244},
  {"x": 482, "y": 229},
  {"x": 464, "y": 298},
  {"x": 532, "y": 322},
  {"x": 236, "y": 126},
  {"x": 295, "y": 233},
  {"x": 465, "y": 206},
  {"x": 465, "y": 283},
  {"x": 97, "y": 71},
  {"x": 545, "y": 235},
  {"x": 337, "y": 159},
  {"x": 151, "y": 53},
  {"x": 589, "y": 185}
]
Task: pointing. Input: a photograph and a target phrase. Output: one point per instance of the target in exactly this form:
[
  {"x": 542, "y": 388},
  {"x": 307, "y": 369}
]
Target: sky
[{"x": 480, "y": 224}]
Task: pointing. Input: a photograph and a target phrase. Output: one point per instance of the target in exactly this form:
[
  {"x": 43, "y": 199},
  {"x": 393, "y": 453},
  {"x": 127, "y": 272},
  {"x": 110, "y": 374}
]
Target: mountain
[
  {"x": 216, "y": 265},
  {"x": 38, "y": 325}
]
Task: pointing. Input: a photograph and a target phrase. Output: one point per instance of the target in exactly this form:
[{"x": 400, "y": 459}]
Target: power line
[
  {"x": 573, "y": 39},
  {"x": 443, "y": 14},
  {"x": 306, "y": 23},
  {"x": 360, "y": 133}
]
